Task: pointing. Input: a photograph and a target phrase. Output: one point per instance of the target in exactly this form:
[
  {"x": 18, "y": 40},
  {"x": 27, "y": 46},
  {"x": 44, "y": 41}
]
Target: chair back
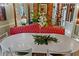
[
  {"x": 54, "y": 53},
  {"x": 5, "y": 50},
  {"x": 3, "y": 36},
  {"x": 20, "y": 53},
  {"x": 2, "y": 48},
  {"x": 0, "y": 51}
]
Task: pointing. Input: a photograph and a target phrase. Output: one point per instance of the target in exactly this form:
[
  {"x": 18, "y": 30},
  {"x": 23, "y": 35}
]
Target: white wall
[{"x": 5, "y": 25}]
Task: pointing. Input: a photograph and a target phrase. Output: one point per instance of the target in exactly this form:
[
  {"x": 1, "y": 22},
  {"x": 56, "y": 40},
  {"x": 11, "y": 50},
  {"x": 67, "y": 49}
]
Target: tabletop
[{"x": 25, "y": 41}]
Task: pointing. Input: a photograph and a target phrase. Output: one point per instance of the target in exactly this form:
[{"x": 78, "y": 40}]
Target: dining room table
[{"x": 24, "y": 41}]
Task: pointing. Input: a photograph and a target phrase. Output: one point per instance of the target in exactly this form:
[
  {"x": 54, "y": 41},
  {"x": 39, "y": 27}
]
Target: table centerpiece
[{"x": 44, "y": 39}]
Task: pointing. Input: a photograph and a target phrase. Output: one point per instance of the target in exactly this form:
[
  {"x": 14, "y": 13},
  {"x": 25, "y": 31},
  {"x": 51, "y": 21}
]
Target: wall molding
[{"x": 2, "y": 26}]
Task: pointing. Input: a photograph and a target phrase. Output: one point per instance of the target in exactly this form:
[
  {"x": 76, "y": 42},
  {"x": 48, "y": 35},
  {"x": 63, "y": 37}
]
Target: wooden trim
[
  {"x": 77, "y": 22},
  {"x": 67, "y": 14},
  {"x": 49, "y": 13},
  {"x": 70, "y": 11},
  {"x": 59, "y": 12},
  {"x": 14, "y": 14},
  {"x": 29, "y": 12},
  {"x": 36, "y": 9}
]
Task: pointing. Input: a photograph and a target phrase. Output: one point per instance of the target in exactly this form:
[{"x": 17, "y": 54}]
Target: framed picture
[
  {"x": 43, "y": 8},
  {"x": 2, "y": 13}
]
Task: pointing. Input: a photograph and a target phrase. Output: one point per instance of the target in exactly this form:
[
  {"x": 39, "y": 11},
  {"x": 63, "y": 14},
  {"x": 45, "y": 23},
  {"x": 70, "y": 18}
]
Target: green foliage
[
  {"x": 44, "y": 39},
  {"x": 35, "y": 20}
]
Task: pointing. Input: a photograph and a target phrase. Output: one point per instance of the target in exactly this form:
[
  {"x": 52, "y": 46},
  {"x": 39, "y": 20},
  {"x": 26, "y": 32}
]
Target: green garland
[{"x": 44, "y": 39}]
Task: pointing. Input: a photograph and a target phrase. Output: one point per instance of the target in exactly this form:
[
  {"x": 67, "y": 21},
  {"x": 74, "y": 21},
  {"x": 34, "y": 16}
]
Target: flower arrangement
[
  {"x": 35, "y": 19},
  {"x": 41, "y": 18},
  {"x": 44, "y": 39}
]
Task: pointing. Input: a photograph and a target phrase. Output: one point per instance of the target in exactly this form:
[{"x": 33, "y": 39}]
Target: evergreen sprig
[{"x": 44, "y": 39}]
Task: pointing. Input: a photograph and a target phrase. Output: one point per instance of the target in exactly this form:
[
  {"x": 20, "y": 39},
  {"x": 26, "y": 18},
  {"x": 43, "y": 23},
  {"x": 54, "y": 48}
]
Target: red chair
[
  {"x": 21, "y": 29},
  {"x": 52, "y": 29},
  {"x": 35, "y": 28},
  {"x": 46, "y": 29},
  {"x": 59, "y": 30}
]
